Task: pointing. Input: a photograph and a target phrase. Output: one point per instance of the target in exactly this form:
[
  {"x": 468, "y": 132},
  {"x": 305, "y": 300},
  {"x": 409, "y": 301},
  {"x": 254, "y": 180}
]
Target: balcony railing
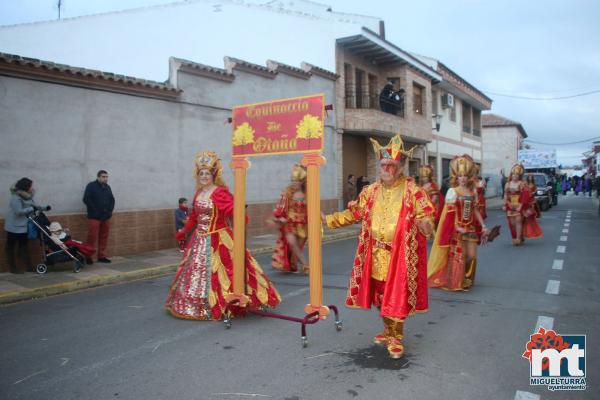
[{"x": 376, "y": 102}]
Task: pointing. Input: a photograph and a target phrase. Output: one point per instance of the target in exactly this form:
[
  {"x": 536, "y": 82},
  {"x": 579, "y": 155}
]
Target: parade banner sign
[
  {"x": 538, "y": 159},
  {"x": 294, "y": 125}
]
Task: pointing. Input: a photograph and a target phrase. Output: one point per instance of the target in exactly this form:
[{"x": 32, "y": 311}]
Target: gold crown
[
  {"x": 394, "y": 149},
  {"x": 298, "y": 173},
  {"x": 517, "y": 169},
  {"x": 462, "y": 165},
  {"x": 426, "y": 170},
  {"x": 207, "y": 159}
]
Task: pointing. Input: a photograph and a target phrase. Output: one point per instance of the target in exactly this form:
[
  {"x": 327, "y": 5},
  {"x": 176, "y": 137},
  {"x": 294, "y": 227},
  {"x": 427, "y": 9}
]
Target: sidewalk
[{"x": 61, "y": 279}]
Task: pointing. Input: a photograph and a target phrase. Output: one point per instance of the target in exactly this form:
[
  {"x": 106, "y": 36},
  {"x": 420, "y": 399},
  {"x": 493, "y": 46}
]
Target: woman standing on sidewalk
[
  {"x": 453, "y": 259},
  {"x": 291, "y": 218},
  {"x": 15, "y": 223},
  {"x": 205, "y": 274}
]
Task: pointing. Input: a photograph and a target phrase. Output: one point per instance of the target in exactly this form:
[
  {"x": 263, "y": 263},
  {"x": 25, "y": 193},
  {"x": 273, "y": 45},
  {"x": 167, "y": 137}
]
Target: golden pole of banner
[
  {"x": 313, "y": 162},
  {"x": 239, "y": 166}
]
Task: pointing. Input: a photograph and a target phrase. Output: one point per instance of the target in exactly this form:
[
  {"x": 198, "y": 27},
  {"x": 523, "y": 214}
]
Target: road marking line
[
  {"x": 567, "y": 225},
  {"x": 545, "y": 322},
  {"x": 520, "y": 395},
  {"x": 558, "y": 264},
  {"x": 561, "y": 249},
  {"x": 565, "y": 231},
  {"x": 333, "y": 353},
  {"x": 564, "y": 238},
  {"x": 552, "y": 287},
  {"x": 241, "y": 394},
  {"x": 568, "y": 220},
  {"x": 29, "y": 376}
]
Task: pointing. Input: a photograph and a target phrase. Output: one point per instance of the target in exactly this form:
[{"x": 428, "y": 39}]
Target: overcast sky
[{"x": 536, "y": 48}]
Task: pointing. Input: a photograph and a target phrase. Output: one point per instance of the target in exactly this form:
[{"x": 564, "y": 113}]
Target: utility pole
[{"x": 59, "y": 5}]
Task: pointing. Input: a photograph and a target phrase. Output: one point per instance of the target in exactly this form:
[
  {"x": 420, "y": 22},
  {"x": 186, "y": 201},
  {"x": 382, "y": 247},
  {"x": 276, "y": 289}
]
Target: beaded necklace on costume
[{"x": 465, "y": 203}]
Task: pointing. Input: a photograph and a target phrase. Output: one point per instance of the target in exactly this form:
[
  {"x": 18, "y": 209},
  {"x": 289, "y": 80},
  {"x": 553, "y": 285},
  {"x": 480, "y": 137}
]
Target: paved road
[{"x": 118, "y": 343}]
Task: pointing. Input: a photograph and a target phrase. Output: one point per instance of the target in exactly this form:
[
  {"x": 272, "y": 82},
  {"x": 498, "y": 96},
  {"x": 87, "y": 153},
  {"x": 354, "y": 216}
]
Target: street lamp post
[{"x": 438, "y": 122}]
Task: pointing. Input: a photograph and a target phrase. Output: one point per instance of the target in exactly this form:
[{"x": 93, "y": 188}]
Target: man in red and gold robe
[{"x": 390, "y": 267}]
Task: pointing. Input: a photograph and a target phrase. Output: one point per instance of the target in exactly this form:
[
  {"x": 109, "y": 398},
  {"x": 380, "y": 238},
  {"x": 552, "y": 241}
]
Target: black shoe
[
  {"x": 89, "y": 261},
  {"x": 104, "y": 260}
]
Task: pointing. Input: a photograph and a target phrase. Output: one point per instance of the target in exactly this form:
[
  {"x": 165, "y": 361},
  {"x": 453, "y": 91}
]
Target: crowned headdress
[
  {"x": 298, "y": 173},
  {"x": 207, "y": 159},
  {"x": 517, "y": 169},
  {"x": 426, "y": 170},
  {"x": 394, "y": 149},
  {"x": 462, "y": 165}
]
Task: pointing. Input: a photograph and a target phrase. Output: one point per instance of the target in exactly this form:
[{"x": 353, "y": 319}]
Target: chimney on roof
[{"x": 382, "y": 29}]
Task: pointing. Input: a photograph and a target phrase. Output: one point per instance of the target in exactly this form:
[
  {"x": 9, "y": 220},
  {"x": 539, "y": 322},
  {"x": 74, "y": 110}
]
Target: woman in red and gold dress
[
  {"x": 453, "y": 259},
  {"x": 520, "y": 209},
  {"x": 205, "y": 275},
  {"x": 531, "y": 186},
  {"x": 428, "y": 184},
  {"x": 290, "y": 215},
  {"x": 480, "y": 186}
]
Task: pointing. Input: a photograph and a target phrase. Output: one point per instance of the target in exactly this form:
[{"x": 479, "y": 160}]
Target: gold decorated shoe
[
  {"x": 394, "y": 341},
  {"x": 381, "y": 338},
  {"x": 388, "y": 328},
  {"x": 395, "y": 348}
]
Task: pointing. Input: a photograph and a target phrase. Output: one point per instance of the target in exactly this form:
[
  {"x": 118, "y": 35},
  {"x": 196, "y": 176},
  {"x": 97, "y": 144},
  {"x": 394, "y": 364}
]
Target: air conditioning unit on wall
[{"x": 448, "y": 101}]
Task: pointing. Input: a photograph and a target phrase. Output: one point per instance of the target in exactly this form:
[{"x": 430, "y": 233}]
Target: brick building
[{"x": 366, "y": 63}]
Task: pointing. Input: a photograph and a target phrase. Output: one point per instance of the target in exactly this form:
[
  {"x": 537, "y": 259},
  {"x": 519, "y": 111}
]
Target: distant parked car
[{"x": 545, "y": 195}]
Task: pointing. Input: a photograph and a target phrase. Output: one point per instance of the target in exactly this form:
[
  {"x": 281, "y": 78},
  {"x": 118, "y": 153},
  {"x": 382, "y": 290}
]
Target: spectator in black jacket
[{"x": 100, "y": 204}]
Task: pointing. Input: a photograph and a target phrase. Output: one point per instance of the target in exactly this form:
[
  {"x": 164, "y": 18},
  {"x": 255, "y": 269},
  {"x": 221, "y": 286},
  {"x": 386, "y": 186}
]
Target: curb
[
  {"x": 95, "y": 281},
  {"x": 103, "y": 280}
]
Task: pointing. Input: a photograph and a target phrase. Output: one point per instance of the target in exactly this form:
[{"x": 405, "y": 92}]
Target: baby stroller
[{"x": 52, "y": 252}]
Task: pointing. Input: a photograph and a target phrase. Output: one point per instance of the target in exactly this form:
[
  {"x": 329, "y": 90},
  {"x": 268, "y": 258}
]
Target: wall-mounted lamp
[{"x": 438, "y": 121}]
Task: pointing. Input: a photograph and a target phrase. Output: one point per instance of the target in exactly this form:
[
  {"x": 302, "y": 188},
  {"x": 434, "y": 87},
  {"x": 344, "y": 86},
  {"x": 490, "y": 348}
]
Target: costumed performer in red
[
  {"x": 453, "y": 258},
  {"x": 518, "y": 206},
  {"x": 430, "y": 186},
  {"x": 291, "y": 218},
  {"x": 390, "y": 265},
  {"x": 205, "y": 275}
]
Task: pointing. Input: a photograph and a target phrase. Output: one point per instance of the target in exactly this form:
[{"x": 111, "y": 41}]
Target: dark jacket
[
  {"x": 180, "y": 216},
  {"x": 99, "y": 201}
]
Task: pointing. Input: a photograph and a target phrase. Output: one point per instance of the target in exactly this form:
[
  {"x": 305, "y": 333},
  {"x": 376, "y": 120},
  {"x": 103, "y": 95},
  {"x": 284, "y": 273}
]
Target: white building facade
[{"x": 502, "y": 139}]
